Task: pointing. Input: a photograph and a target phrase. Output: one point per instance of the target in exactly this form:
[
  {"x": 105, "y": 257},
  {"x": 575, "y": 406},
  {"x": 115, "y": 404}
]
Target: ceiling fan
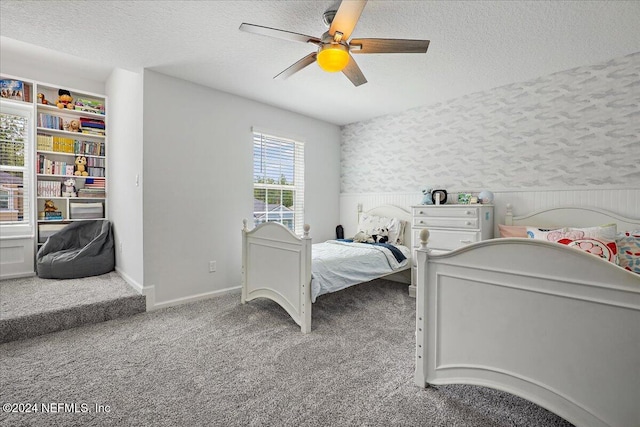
[{"x": 334, "y": 47}]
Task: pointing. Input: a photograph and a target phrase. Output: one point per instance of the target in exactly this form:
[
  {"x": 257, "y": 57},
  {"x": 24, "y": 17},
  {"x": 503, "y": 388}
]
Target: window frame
[
  {"x": 25, "y": 227},
  {"x": 293, "y": 219}
]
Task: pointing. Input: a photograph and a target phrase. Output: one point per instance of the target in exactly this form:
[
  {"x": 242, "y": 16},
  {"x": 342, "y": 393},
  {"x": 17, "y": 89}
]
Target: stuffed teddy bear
[
  {"x": 362, "y": 237},
  {"x": 426, "y": 197},
  {"x": 74, "y": 126},
  {"x": 49, "y": 206},
  {"x": 80, "y": 162},
  {"x": 69, "y": 188},
  {"x": 65, "y": 100},
  {"x": 381, "y": 235}
]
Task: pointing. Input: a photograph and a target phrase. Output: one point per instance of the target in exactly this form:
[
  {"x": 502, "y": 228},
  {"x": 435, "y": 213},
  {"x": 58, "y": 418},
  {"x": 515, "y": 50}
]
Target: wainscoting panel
[
  {"x": 16, "y": 258},
  {"x": 622, "y": 201}
]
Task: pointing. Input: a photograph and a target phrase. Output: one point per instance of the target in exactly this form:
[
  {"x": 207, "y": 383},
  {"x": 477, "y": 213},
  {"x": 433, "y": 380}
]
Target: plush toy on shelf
[
  {"x": 49, "y": 206},
  {"x": 74, "y": 126},
  {"x": 42, "y": 100},
  {"x": 69, "y": 188},
  {"x": 65, "y": 100},
  {"x": 81, "y": 170}
]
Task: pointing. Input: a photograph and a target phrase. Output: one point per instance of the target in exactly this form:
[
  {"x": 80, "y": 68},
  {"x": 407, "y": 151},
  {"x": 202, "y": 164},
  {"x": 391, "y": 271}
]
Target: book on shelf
[
  {"x": 12, "y": 89},
  {"x": 54, "y": 167},
  {"x": 87, "y": 193},
  {"x": 63, "y": 144},
  {"x": 91, "y": 131},
  {"x": 94, "y": 183},
  {"x": 49, "y": 121},
  {"x": 89, "y": 122},
  {"x": 90, "y": 148},
  {"x": 89, "y": 105},
  {"x": 50, "y": 215},
  {"x": 49, "y": 188}
]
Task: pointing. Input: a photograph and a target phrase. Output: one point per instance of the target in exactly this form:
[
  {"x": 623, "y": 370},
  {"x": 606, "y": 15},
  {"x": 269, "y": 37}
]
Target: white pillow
[
  {"x": 369, "y": 223},
  {"x": 607, "y": 232},
  {"x": 599, "y": 241}
]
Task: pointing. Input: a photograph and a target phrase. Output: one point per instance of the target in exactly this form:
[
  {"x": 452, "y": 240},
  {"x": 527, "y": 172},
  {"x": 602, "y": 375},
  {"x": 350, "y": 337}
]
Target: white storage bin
[{"x": 86, "y": 210}]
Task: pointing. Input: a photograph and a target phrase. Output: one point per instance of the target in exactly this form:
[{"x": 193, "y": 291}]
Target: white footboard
[
  {"x": 554, "y": 325},
  {"x": 276, "y": 264}
]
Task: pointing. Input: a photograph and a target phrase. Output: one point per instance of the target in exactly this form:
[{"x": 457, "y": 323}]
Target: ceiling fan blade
[
  {"x": 347, "y": 17},
  {"x": 309, "y": 59},
  {"x": 353, "y": 73},
  {"x": 388, "y": 46},
  {"x": 280, "y": 34}
]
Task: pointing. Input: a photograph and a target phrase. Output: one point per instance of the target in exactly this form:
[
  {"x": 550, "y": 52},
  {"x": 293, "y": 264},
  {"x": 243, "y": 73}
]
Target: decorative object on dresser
[
  {"x": 426, "y": 197},
  {"x": 451, "y": 227},
  {"x": 439, "y": 197},
  {"x": 550, "y": 323},
  {"x": 485, "y": 197}
]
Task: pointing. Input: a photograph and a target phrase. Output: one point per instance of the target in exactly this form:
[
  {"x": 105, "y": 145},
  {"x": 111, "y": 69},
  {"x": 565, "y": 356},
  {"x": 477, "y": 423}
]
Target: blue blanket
[{"x": 399, "y": 256}]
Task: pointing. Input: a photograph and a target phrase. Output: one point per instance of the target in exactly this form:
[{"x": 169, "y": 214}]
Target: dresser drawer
[
  {"x": 447, "y": 239},
  {"x": 446, "y": 211},
  {"x": 445, "y": 222}
]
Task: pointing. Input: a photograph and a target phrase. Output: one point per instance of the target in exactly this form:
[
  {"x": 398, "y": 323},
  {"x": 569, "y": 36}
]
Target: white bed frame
[
  {"x": 552, "y": 324},
  {"x": 276, "y": 264}
]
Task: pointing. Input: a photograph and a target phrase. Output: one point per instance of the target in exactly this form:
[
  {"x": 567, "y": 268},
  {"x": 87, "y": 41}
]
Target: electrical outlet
[{"x": 212, "y": 266}]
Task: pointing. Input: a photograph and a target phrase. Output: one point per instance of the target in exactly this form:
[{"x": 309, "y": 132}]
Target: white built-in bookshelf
[
  {"x": 71, "y": 143},
  {"x": 78, "y": 131}
]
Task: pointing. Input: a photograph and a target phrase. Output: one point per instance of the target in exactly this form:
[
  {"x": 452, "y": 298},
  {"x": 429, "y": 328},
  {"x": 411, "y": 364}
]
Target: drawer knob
[
  {"x": 468, "y": 222},
  {"x": 421, "y": 222},
  {"x": 420, "y": 212},
  {"x": 468, "y": 212},
  {"x": 465, "y": 241}
]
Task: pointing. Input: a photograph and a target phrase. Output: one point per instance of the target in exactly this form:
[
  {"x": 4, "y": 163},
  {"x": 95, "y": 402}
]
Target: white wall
[
  {"x": 47, "y": 66},
  {"x": 571, "y": 137},
  {"x": 124, "y": 171},
  {"x": 573, "y": 129},
  {"x": 198, "y": 186}
]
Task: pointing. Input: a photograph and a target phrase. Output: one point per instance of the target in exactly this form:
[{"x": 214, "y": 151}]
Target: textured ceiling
[{"x": 475, "y": 45}]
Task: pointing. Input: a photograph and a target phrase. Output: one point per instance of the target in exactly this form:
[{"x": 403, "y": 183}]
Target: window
[
  {"x": 15, "y": 175},
  {"x": 278, "y": 181}
]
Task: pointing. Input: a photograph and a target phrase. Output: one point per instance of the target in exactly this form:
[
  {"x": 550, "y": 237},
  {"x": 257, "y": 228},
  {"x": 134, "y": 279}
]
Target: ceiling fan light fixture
[{"x": 333, "y": 57}]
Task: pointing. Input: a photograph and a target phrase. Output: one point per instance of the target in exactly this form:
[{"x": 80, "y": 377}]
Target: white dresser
[{"x": 450, "y": 227}]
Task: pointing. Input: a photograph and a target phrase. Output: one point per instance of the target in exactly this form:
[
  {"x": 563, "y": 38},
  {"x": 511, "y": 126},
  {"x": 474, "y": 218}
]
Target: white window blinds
[
  {"x": 15, "y": 162},
  {"x": 278, "y": 181}
]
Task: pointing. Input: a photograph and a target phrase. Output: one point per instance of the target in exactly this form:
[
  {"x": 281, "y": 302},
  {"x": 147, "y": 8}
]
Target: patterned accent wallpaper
[{"x": 572, "y": 129}]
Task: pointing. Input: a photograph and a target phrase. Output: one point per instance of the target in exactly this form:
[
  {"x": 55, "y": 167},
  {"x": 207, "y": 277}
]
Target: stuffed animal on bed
[
  {"x": 362, "y": 237},
  {"x": 426, "y": 197},
  {"x": 381, "y": 235}
]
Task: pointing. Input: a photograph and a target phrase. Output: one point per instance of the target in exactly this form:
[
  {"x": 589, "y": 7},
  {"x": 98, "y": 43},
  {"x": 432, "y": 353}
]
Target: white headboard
[
  {"x": 391, "y": 211},
  {"x": 571, "y": 216}
]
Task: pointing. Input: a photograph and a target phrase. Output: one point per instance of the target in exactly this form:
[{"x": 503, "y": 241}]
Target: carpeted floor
[
  {"x": 219, "y": 363},
  {"x": 33, "y": 306}
]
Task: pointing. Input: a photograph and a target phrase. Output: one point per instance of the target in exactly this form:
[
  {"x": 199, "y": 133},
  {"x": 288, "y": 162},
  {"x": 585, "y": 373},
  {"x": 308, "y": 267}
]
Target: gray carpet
[
  {"x": 220, "y": 363},
  {"x": 34, "y": 306}
]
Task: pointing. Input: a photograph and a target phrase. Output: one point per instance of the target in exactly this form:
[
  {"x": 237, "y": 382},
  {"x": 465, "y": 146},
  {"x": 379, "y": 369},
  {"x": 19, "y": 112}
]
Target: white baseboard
[
  {"x": 147, "y": 291},
  {"x": 198, "y": 297},
  {"x": 133, "y": 283},
  {"x": 17, "y": 275}
]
